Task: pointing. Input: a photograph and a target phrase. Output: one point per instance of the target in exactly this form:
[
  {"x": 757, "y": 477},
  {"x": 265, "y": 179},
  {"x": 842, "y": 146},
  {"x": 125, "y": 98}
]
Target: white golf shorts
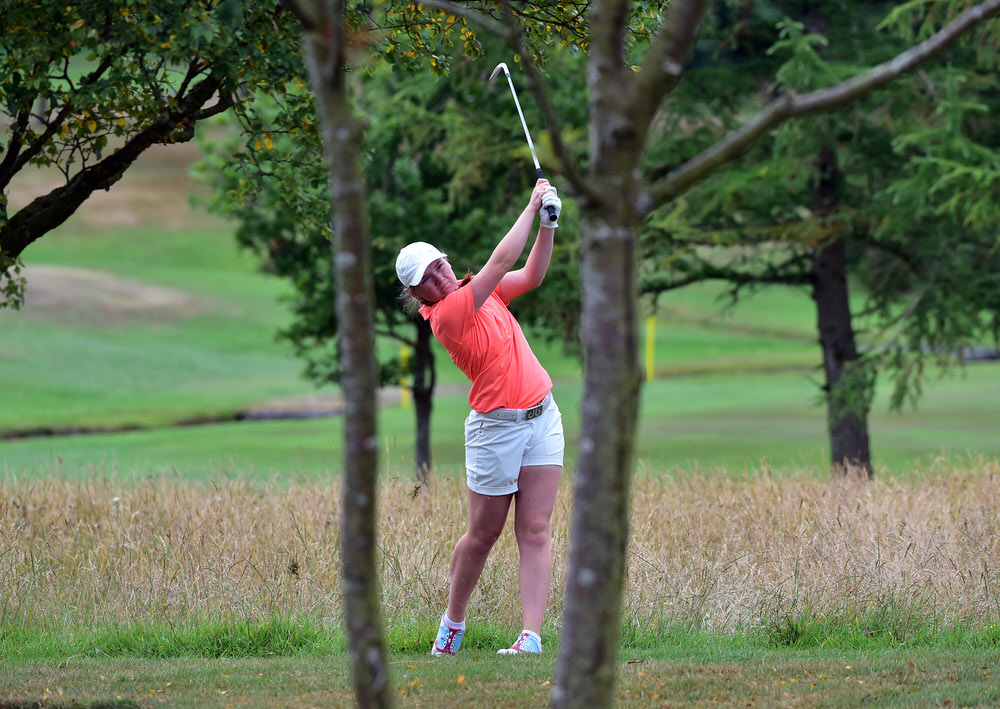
[{"x": 497, "y": 449}]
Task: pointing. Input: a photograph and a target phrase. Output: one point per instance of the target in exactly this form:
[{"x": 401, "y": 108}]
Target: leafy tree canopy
[
  {"x": 86, "y": 87},
  {"x": 917, "y": 203}
]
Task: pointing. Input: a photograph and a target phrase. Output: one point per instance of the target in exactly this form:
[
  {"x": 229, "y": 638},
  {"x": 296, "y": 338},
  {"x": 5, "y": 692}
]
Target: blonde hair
[{"x": 407, "y": 301}]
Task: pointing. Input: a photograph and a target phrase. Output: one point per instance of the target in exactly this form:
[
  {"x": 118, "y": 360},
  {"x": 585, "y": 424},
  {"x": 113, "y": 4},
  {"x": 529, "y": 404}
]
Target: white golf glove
[{"x": 550, "y": 217}]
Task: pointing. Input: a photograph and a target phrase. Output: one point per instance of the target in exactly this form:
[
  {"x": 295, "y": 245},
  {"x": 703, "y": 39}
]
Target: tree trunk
[
  {"x": 592, "y": 619},
  {"x": 847, "y": 386},
  {"x": 424, "y": 376},
  {"x": 341, "y": 131},
  {"x": 591, "y": 622}
]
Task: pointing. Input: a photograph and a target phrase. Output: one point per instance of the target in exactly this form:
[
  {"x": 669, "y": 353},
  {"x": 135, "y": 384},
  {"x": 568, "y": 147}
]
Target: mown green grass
[
  {"x": 77, "y": 365},
  {"x": 873, "y": 628},
  {"x": 683, "y": 671},
  {"x": 702, "y": 422}
]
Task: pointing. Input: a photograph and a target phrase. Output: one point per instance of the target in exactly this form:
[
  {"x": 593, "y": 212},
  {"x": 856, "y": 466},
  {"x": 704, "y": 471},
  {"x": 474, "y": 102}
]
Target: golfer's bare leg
[
  {"x": 487, "y": 515},
  {"x": 533, "y": 506}
]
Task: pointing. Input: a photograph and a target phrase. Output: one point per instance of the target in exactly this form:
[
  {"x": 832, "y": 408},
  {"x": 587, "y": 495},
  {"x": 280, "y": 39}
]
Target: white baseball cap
[{"x": 413, "y": 260}]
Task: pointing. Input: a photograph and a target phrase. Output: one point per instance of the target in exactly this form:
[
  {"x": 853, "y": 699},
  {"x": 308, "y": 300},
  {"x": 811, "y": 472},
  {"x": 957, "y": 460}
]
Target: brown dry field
[{"x": 718, "y": 551}]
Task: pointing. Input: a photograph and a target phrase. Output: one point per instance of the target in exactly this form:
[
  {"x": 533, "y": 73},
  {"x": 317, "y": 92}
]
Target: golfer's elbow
[
  {"x": 503, "y": 259},
  {"x": 535, "y": 278}
]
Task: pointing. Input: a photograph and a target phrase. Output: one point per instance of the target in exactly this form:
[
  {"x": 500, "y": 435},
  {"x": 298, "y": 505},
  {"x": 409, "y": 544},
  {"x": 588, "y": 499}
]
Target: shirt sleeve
[
  {"x": 499, "y": 293},
  {"x": 452, "y": 315}
]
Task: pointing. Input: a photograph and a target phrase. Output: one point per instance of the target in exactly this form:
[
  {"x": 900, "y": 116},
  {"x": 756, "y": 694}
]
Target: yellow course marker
[
  {"x": 650, "y": 347},
  {"x": 404, "y": 377}
]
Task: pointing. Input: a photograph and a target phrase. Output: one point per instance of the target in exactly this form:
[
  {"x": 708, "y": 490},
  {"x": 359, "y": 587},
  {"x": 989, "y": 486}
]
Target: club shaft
[{"x": 524, "y": 125}]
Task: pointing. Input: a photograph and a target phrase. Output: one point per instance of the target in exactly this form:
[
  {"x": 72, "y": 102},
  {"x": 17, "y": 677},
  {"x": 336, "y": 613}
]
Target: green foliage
[
  {"x": 939, "y": 221},
  {"x": 103, "y": 71},
  {"x": 415, "y": 37},
  {"x": 85, "y": 89},
  {"x": 805, "y": 69},
  {"x": 916, "y": 20},
  {"x": 945, "y": 163},
  {"x": 11, "y": 282},
  {"x": 915, "y": 204}
]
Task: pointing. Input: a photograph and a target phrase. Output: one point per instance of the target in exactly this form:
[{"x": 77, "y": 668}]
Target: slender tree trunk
[
  {"x": 847, "y": 385},
  {"x": 592, "y": 619},
  {"x": 424, "y": 376},
  {"x": 591, "y": 623},
  {"x": 341, "y": 131}
]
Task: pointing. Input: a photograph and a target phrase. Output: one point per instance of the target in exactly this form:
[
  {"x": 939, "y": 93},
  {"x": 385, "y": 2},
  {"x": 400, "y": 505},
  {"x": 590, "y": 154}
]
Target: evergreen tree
[{"x": 832, "y": 203}]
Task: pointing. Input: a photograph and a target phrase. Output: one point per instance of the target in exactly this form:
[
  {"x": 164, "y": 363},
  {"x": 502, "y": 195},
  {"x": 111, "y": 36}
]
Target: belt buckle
[{"x": 533, "y": 413}]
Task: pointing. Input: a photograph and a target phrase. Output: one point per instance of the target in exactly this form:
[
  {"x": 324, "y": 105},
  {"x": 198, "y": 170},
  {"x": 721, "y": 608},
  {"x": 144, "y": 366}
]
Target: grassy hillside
[{"x": 141, "y": 313}]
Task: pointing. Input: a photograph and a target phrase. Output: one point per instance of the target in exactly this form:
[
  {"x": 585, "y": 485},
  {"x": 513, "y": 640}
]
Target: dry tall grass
[{"x": 715, "y": 550}]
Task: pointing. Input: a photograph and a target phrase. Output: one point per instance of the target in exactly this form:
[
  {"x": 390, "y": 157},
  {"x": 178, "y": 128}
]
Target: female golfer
[{"x": 513, "y": 436}]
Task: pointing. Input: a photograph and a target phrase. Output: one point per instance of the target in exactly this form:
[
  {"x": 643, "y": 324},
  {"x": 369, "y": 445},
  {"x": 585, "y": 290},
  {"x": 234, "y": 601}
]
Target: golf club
[{"x": 531, "y": 147}]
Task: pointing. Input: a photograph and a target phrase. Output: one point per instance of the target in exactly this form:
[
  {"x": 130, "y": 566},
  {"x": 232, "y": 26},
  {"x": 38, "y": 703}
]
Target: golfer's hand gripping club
[
  {"x": 553, "y": 212},
  {"x": 551, "y": 208}
]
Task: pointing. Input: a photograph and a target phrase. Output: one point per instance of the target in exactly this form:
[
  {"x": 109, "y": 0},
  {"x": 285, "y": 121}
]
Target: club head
[{"x": 500, "y": 66}]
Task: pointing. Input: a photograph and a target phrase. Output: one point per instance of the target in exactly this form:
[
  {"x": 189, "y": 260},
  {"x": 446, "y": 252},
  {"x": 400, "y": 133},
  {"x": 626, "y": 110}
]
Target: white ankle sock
[{"x": 452, "y": 624}]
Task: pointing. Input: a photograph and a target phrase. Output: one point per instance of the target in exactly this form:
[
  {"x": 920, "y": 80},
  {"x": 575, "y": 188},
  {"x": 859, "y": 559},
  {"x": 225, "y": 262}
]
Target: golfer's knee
[
  {"x": 533, "y": 534},
  {"x": 481, "y": 540}
]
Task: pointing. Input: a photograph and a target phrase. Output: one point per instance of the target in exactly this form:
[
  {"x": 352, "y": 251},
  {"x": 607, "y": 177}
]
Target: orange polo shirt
[{"x": 489, "y": 347}]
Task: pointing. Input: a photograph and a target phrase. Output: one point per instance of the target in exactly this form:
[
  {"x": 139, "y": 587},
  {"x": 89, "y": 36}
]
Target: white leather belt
[{"x": 517, "y": 415}]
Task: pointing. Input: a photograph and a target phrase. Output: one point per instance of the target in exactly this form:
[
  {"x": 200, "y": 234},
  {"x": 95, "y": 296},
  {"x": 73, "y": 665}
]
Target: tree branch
[
  {"x": 49, "y": 211},
  {"x": 192, "y": 72},
  {"x": 789, "y": 106},
  {"x": 475, "y": 16},
  {"x": 536, "y": 85},
  {"x": 15, "y": 159},
  {"x": 663, "y": 65},
  {"x": 13, "y": 150}
]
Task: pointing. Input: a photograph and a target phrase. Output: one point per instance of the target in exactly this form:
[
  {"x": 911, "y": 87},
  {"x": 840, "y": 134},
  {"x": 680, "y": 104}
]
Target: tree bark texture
[
  {"x": 591, "y": 621},
  {"x": 355, "y": 300},
  {"x": 424, "y": 377},
  {"x": 847, "y": 396},
  {"x": 599, "y": 535}
]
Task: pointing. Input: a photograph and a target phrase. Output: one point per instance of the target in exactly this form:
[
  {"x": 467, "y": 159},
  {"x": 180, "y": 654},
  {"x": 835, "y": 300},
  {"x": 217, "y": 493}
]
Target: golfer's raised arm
[
  {"x": 531, "y": 276},
  {"x": 509, "y": 249}
]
